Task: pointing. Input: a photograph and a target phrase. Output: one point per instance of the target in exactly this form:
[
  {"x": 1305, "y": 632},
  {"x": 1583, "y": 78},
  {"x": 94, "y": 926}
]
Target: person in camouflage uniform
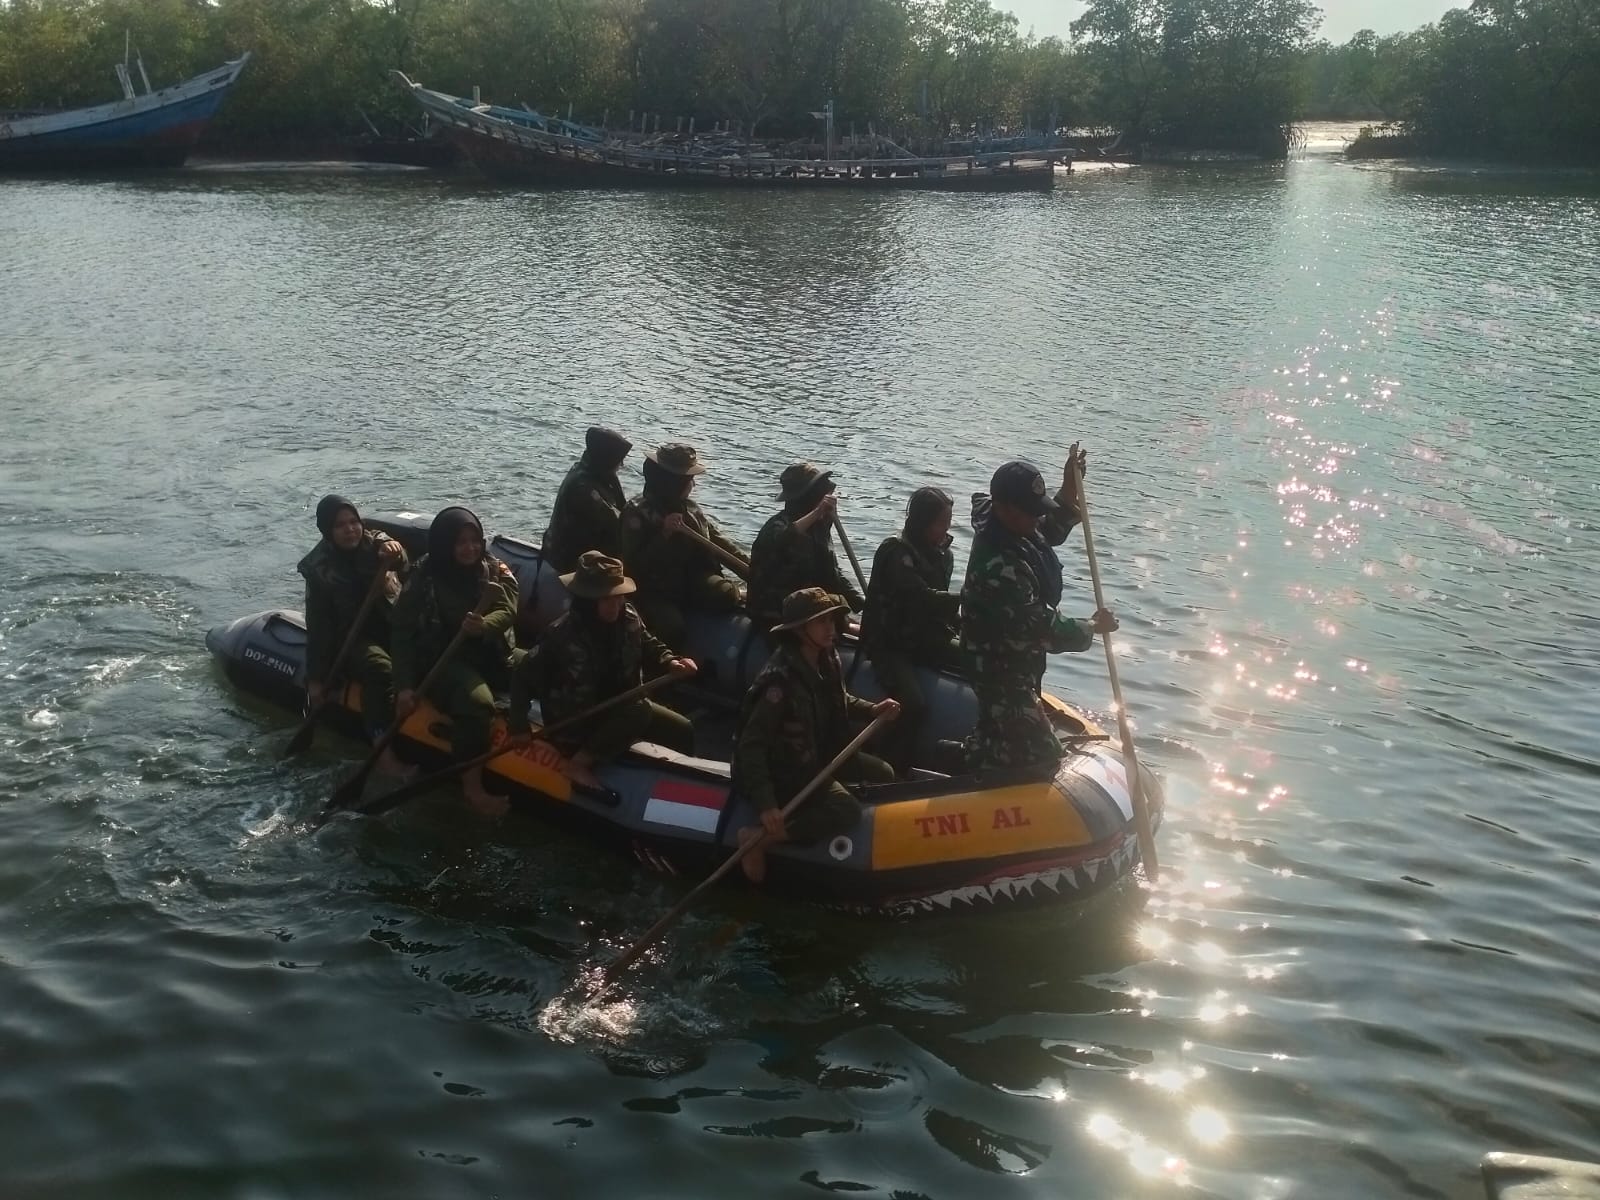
[
  {"x": 1009, "y": 620},
  {"x": 597, "y": 649},
  {"x": 338, "y": 573},
  {"x": 588, "y": 509},
  {"x": 795, "y": 547},
  {"x": 674, "y": 574},
  {"x": 912, "y": 618},
  {"x": 793, "y": 720},
  {"x": 450, "y": 584}
]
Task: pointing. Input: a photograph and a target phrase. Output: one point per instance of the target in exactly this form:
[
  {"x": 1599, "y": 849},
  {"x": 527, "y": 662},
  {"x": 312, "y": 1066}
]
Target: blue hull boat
[{"x": 156, "y": 129}]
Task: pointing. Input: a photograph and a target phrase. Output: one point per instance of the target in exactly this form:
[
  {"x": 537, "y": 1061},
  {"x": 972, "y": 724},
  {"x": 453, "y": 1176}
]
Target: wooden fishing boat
[
  {"x": 934, "y": 843},
  {"x": 532, "y": 148},
  {"x": 155, "y": 129}
]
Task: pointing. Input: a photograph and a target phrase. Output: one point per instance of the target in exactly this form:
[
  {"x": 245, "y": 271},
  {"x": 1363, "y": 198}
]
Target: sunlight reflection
[
  {"x": 1208, "y": 1126},
  {"x": 1154, "y": 939}
]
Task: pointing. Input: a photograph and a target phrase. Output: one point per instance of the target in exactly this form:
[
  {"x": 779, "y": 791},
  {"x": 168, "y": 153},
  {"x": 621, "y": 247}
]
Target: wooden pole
[
  {"x": 653, "y": 934},
  {"x": 1141, "y": 810},
  {"x": 737, "y": 565},
  {"x": 306, "y": 734},
  {"x": 350, "y": 791},
  {"x": 394, "y": 799},
  {"x": 850, "y": 551}
]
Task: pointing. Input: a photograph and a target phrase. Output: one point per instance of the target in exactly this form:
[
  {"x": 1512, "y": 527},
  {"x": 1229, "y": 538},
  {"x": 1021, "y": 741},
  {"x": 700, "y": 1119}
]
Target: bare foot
[
  {"x": 482, "y": 801},
  {"x": 389, "y": 763},
  {"x": 754, "y": 863},
  {"x": 487, "y": 804},
  {"x": 580, "y": 773}
]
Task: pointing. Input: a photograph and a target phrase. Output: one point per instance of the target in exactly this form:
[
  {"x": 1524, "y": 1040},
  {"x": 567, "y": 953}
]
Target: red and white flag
[{"x": 685, "y": 805}]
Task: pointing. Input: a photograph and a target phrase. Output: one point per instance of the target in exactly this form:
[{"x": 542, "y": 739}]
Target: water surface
[{"x": 1339, "y": 422}]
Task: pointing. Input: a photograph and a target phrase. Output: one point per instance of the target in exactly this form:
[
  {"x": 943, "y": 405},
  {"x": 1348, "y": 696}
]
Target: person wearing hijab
[
  {"x": 794, "y": 549},
  {"x": 457, "y": 586},
  {"x": 339, "y": 572},
  {"x": 588, "y": 509},
  {"x": 597, "y": 649},
  {"x": 1009, "y": 621},
  {"x": 674, "y": 574},
  {"x": 912, "y": 618}
]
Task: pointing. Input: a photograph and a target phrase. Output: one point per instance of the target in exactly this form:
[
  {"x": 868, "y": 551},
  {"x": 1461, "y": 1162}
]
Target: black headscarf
[
  {"x": 926, "y": 504},
  {"x": 442, "y": 535},
  {"x": 328, "y": 510},
  {"x": 604, "y": 449}
]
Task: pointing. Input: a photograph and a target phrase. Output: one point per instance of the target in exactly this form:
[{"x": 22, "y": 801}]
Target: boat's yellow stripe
[
  {"x": 982, "y": 824},
  {"x": 536, "y": 766}
]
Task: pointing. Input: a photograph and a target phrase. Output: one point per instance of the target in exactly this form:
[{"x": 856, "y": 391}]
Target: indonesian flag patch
[{"x": 685, "y": 805}]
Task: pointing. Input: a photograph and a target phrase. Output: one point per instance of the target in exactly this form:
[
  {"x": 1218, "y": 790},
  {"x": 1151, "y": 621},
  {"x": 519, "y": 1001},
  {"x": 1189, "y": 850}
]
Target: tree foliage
[
  {"x": 1499, "y": 77},
  {"x": 1504, "y": 79}
]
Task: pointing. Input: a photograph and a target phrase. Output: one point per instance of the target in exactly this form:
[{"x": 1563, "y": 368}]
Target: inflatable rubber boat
[{"x": 933, "y": 843}]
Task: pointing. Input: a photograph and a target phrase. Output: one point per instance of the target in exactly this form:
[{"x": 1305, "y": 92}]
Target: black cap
[{"x": 1020, "y": 484}]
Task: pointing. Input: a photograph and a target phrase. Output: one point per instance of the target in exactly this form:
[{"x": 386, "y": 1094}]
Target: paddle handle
[
  {"x": 393, "y": 800},
  {"x": 374, "y": 589},
  {"x": 1141, "y": 810},
  {"x": 653, "y": 934},
  {"x": 350, "y": 790},
  {"x": 850, "y": 552},
  {"x": 737, "y": 565},
  {"x": 303, "y": 736}
]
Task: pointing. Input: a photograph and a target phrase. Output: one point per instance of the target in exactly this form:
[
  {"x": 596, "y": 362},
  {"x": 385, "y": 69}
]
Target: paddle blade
[
  {"x": 304, "y": 736},
  {"x": 349, "y": 792}
]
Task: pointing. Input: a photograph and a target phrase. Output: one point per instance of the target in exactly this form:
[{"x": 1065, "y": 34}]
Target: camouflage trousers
[
  {"x": 834, "y": 809},
  {"x": 463, "y": 693},
  {"x": 666, "y": 616},
  {"x": 613, "y": 731},
  {"x": 371, "y": 667},
  {"x": 1013, "y": 730}
]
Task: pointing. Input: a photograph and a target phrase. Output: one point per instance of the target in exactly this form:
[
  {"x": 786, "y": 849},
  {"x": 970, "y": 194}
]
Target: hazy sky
[{"x": 1340, "y": 18}]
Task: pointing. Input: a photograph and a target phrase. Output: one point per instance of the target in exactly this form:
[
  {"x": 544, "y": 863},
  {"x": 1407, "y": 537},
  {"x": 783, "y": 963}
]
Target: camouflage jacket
[
  {"x": 430, "y": 611},
  {"x": 910, "y": 607},
  {"x": 785, "y": 559},
  {"x": 587, "y": 516},
  {"x": 1008, "y": 616},
  {"x": 336, "y": 587},
  {"x": 579, "y": 663},
  {"x": 793, "y": 720},
  {"x": 664, "y": 565}
]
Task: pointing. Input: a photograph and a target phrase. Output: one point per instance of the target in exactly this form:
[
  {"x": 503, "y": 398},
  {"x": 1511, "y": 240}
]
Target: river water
[{"x": 1340, "y": 423}]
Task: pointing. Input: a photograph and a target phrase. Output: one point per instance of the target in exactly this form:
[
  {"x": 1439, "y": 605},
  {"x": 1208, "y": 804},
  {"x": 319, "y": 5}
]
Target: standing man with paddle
[
  {"x": 675, "y": 574},
  {"x": 352, "y": 578},
  {"x": 794, "y": 718},
  {"x": 597, "y": 649},
  {"x": 458, "y": 588},
  {"x": 1009, "y": 621},
  {"x": 794, "y": 549}
]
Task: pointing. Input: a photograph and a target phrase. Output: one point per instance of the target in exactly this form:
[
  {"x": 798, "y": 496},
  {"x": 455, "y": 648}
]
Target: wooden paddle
[
  {"x": 653, "y": 934},
  {"x": 350, "y": 790},
  {"x": 850, "y": 552},
  {"x": 393, "y": 800},
  {"x": 737, "y": 565},
  {"x": 307, "y": 733},
  {"x": 1141, "y": 811}
]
